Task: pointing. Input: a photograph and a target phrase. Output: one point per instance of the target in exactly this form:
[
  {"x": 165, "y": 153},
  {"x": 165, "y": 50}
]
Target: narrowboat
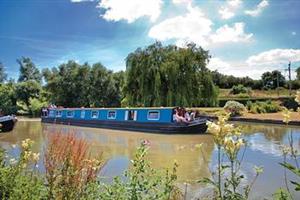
[
  {"x": 7, "y": 123},
  {"x": 155, "y": 120}
]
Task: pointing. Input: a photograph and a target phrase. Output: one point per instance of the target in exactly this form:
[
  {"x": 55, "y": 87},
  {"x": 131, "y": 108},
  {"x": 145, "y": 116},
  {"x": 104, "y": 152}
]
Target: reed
[{"x": 69, "y": 166}]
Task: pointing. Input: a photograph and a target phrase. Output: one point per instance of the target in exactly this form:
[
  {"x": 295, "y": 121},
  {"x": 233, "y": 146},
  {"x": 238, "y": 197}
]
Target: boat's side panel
[
  {"x": 142, "y": 115},
  {"x": 133, "y": 125}
]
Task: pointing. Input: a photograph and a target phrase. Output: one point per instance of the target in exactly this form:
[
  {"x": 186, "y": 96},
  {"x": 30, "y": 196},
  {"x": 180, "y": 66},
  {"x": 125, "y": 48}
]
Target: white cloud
[
  {"x": 182, "y": 1},
  {"x": 79, "y": 1},
  {"x": 256, "y": 65},
  {"x": 294, "y": 33},
  {"x": 226, "y": 13},
  {"x": 237, "y": 69},
  {"x": 193, "y": 26},
  {"x": 231, "y": 34},
  {"x": 130, "y": 10},
  {"x": 229, "y": 10},
  {"x": 274, "y": 57},
  {"x": 234, "y": 3},
  {"x": 218, "y": 64},
  {"x": 259, "y": 8}
]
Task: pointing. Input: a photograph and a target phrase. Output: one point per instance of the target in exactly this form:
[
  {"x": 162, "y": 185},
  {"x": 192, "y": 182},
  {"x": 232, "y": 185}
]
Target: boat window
[
  {"x": 70, "y": 113},
  {"x": 153, "y": 115},
  {"x": 94, "y": 114},
  {"x": 82, "y": 114},
  {"x": 131, "y": 115},
  {"x": 58, "y": 113},
  {"x": 111, "y": 114}
]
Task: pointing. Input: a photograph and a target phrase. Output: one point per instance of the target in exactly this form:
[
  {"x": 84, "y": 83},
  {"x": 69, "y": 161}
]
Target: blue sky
[{"x": 244, "y": 37}]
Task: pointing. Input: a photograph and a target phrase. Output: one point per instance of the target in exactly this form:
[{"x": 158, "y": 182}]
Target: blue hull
[{"x": 198, "y": 126}]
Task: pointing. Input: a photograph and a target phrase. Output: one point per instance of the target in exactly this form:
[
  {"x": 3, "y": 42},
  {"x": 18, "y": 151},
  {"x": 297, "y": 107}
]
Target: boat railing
[{"x": 6, "y": 118}]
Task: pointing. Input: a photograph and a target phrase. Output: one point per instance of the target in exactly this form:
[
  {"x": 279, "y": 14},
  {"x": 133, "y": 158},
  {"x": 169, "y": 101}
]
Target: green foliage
[
  {"x": 228, "y": 140},
  {"x": 294, "y": 170},
  {"x": 238, "y": 89},
  {"x": 263, "y": 107},
  {"x": 298, "y": 73},
  {"x": 272, "y": 80},
  {"x": 8, "y": 100},
  {"x": 281, "y": 194},
  {"x": 28, "y": 70},
  {"x": 18, "y": 180},
  {"x": 3, "y": 75},
  {"x": 28, "y": 89},
  {"x": 143, "y": 182},
  {"x": 228, "y": 81},
  {"x": 209, "y": 92},
  {"x": 234, "y": 108},
  {"x": 35, "y": 106},
  {"x": 74, "y": 175},
  {"x": 168, "y": 76},
  {"x": 75, "y": 85}
]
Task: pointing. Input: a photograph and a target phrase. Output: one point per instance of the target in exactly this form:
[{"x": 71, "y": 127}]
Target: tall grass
[{"x": 69, "y": 166}]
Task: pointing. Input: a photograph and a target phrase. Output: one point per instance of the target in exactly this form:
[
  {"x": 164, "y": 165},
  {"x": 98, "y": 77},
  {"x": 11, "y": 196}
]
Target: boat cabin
[{"x": 158, "y": 120}]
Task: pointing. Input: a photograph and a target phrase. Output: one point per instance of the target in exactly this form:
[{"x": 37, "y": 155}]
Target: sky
[{"x": 244, "y": 37}]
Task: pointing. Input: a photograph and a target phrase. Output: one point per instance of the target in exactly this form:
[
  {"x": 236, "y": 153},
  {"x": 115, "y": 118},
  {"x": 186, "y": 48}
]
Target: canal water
[{"x": 118, "y": 148}]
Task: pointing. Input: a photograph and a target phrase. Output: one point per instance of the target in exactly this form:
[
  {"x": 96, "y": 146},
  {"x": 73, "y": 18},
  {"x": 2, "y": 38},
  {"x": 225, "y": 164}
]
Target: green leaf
[{"x": 291, "y": 168}]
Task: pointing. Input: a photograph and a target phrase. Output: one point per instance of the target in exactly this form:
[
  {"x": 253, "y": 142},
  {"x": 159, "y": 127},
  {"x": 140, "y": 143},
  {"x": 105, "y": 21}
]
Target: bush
[
  {"x": 8, "y": 99},
  {"x": 234, "y": 107},
  {"x": 69, "y": 168},
  {"x": 290, "y": 103},
  {"x": 239, "y": 89},
  {"x": 18, "y": 176},
  {"x": 243, "y": 95},
  {"x": 143, "y": 181},
  {"x": 264, "y": 107},
  {"x": 35, "y": 106}
]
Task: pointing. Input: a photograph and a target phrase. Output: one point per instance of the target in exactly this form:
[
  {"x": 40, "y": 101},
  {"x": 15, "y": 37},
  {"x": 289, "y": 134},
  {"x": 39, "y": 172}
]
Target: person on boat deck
[
  {"x": 178, "y": 116},
  {"x": 186, "y": 115},
  {"x": 193, "y": 115}
]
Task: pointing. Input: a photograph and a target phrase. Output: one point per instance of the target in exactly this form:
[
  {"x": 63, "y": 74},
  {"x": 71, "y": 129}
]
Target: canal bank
[{"x": 265, "y": 118}]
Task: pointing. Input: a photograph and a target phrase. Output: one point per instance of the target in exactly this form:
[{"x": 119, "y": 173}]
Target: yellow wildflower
[
  {"x": 26, "y": 143},
  {"x": 27, "y": 155},
  {"x": 213, "y": 128},
  {"x": 286, "y": 116},
  {"x": 258, "y": 169},
  {"x": 232, "y": 146},
  {"x": 35, "y": 156}
]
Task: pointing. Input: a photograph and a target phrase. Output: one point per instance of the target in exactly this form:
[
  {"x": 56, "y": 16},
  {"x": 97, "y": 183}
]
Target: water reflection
[{"x": 118, "y": 147}]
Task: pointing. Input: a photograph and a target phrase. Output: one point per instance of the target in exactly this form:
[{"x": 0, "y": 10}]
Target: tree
[
  {"x": 273, "y": 79},
  {"x": 3, "y": 75},
  {"x": 28, "y": 70},
  {"x": 75, "y": 85},
  {"x": 298, "y": 73},
  {"x": 27, "y": 90},
  {"x": 167, "y": 76},
  {"x": 8, "y": 100}
]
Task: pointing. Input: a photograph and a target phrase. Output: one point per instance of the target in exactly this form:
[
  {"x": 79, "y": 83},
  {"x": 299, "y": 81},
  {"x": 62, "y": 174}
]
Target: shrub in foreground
[
  {"x": 69, "y": 168},
  {"x": 18, "y": 176},
  {"x": 71, "y": 173},
  {"x": 229, "y": 142},
  {"x": 144, "y": 182}
]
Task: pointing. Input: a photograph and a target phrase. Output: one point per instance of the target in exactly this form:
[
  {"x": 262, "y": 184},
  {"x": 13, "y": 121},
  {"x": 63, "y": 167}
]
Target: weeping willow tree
[{"x": 169, "y": 76}]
